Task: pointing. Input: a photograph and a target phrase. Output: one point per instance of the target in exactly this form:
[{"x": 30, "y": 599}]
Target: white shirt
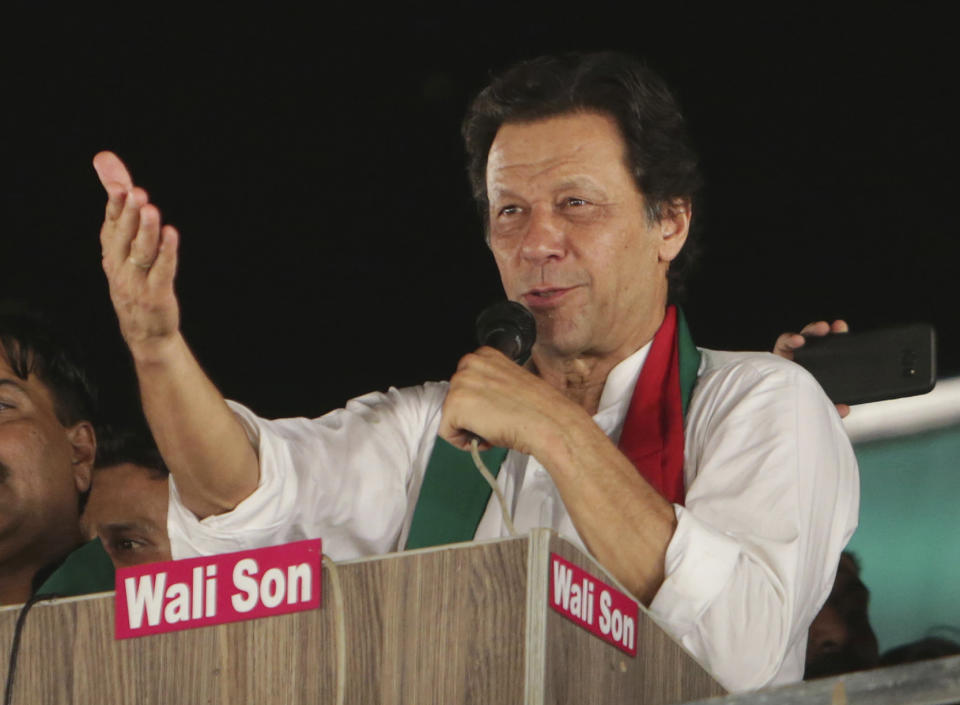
[{"x": 772, "y": 497}]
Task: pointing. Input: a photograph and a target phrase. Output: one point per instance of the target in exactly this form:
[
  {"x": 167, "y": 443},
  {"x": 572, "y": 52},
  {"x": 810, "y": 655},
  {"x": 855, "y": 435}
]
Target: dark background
[{"x": 314, "y": 168}]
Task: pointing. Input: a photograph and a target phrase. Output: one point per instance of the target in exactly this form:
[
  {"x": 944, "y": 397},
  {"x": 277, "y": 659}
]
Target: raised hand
[
  {"x": 787, "y": 343},
  {"x": 201, "y": 441},
  {"x": 139, "y": 259}
]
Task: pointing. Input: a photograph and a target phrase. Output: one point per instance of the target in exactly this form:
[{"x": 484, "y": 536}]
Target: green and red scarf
[{"x": 454, "y": 495}]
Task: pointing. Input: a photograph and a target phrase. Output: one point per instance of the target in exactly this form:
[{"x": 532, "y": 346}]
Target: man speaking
[{"x": 718, "y": 487}]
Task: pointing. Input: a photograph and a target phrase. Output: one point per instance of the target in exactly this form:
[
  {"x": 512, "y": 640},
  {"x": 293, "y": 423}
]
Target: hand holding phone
[{"x": 859, "y": 367}]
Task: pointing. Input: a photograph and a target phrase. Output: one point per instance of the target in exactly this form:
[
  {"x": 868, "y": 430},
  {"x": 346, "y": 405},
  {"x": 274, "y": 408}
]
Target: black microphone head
[{"x": 508, "y": 327}]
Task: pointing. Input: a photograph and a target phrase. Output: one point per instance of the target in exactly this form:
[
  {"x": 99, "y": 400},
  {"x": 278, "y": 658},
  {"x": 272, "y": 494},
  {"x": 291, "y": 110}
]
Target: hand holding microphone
[
  {"x": 484, "y": 385},
  {"x": 510, "y": 328}
]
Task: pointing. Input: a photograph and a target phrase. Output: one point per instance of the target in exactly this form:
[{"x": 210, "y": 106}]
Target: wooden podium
[{"x": 467, "y": 623}]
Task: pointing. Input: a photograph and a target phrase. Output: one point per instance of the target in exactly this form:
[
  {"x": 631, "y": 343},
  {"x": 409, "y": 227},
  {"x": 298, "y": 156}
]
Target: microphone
[{"x": 508, "y": 327}]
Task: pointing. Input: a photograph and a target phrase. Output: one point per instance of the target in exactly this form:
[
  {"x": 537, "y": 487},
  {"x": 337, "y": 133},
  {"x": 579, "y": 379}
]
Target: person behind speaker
[
  {"x": 47, "y": 449},
  {"x": 127, "y": 505}
]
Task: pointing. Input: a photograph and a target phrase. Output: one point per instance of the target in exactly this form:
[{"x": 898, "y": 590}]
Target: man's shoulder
[
  {"x": 727, "y": 372},
  {"x": 427, "y": 392},
  {"x": 424, "y": 398},
  {"x": 88, "y": 569},
  {"x": 753, "y": 395},
  {"x": 749, "y": 364}
]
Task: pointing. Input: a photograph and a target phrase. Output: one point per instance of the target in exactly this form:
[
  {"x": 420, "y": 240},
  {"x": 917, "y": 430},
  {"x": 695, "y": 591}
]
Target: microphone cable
[
  {"x": 15, "y": 643},
  {"x": 510, "y": 328},
  {"x": 488, "y": 476}
]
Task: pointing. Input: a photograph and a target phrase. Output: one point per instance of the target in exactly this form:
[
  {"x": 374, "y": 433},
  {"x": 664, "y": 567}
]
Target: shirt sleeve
[
  {"x": 772, "y": 499},
  {"x": 346, "y": 477}
]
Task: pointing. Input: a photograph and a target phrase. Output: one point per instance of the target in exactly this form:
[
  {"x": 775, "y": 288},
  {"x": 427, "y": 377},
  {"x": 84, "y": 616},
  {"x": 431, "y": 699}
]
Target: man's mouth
[{"x": 546, "y": 295}]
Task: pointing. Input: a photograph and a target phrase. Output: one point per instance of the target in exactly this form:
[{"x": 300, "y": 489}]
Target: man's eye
[
  {"x": 575, "y": 202},
  {"x": 127, "y": 545},
  {"x": 509, "y": 210}
]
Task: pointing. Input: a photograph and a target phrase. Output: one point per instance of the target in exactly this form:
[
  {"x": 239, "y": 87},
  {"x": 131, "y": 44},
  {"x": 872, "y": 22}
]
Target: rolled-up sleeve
[
  {"x": 345, "y": 477},
  {"x": 772, "y": 498}
]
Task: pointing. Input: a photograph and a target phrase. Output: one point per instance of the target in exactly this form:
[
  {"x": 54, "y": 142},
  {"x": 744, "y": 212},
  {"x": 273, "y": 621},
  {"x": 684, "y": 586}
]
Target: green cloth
[
  {"x": 688, "y": 359},
  {"x": 454, "y": 494},
  {"x": 86, "y": 570}
]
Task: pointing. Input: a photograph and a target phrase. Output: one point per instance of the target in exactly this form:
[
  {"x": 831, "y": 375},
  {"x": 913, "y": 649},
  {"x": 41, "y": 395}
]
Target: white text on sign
[
  {"x": 597, "y": 607},
  {"x": 163, "y": 597}
]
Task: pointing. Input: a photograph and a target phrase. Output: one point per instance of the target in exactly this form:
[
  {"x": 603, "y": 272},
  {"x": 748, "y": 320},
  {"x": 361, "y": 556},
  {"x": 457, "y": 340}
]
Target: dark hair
[
  {"x": 921, "y": 650},
  {"x": 32, "y": 347},
  {"x": 660, "y": 155},
  {"x": 127, "y": 445},
  {"x": 848, "y": 601}
]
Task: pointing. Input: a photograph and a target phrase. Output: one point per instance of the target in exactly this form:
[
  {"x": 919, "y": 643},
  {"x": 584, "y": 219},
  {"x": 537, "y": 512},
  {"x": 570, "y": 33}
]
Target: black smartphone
[{"x": 885, "y": 363}]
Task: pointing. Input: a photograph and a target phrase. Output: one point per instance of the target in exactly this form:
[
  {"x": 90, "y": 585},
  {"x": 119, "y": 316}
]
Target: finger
[
  {"x": 457, "y": 435},
  {"x": 111, "y": 170},
  {"x": 116, "y": 237},
  {"x": 115, "y": 179},
  {"x": 448, "y": 431},
  {"x": 489, "y": 359},
  {"x": 143, "y": 249},
  {"x": 481, "y": 444},
  {"x": 839, "y": 326},
  {"x": 462, "y": 439},
  {"x": 491, "y": 353},
  {"x": 787, "y": 343},
  {"x": 116, "y": 197},
  {"x": 470, "y": 360},
  {"x": 164, "y": 267},
  {"x": 843, "y": 410},
  {"x": 817, "y": 328}
]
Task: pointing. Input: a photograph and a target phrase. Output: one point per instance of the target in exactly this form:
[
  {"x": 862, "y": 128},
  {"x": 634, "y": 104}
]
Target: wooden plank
[
  {"x": 583, "y": 668},
  {"x": 454, "y": 628},
  {"x": 935, "y": 682},
  {"x": 68, "y": 655},
  {"x": 283, "y": 659},
  {"x": 428, "y": 626},
  {"x": 45, "y": 661},
  {"x": 538, "y": 586},
  {"x": 437, "y": 625},
  {"x": 8, "y": 622}
]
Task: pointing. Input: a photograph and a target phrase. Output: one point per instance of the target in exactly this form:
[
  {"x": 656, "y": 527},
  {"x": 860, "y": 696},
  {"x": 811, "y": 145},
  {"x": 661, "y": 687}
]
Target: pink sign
[
  {"x": 597, "y": 607},
  {"x": 231, "y": 587}
]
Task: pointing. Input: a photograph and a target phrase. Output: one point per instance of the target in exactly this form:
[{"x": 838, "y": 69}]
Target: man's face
[
  {"x": 571, "y": 237},
  {"x": 127, "y": 509},
  {"x": 44, "y": 467}
]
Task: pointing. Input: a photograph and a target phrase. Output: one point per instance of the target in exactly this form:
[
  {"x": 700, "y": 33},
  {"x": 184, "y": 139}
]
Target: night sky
[{"x": 315, "y": 171}]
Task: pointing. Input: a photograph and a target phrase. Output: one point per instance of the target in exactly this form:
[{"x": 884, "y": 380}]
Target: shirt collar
[{"x": 618, "y": 389}]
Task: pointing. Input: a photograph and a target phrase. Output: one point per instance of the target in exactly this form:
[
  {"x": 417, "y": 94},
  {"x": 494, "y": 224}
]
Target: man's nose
[{"x": 545, "y": 237}]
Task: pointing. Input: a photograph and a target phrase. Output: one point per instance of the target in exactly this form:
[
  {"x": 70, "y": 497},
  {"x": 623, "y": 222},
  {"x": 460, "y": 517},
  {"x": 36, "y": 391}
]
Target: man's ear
[
  {"x": 674, "y": 227},
  {"x": 83, "y": 442}
]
